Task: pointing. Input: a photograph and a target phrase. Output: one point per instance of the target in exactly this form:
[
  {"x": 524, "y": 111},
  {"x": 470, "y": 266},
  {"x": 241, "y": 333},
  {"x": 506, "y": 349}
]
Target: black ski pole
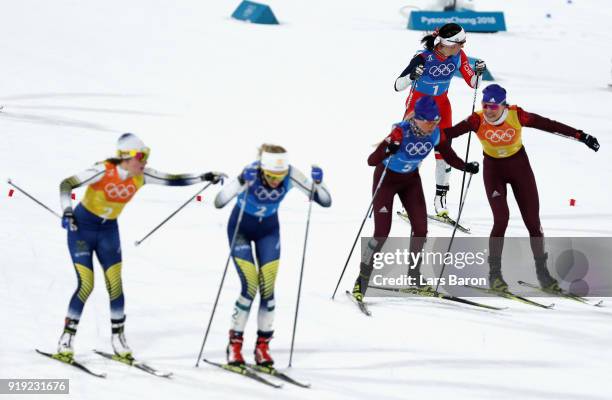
[
  {"x": 382, "y": 177},
  {"x": 40, "y": 203},
  {"x": 212, "y": 314},
  {"x": 456, "y": 224},
  {"x": 297, "y": 304},
  {"x": 136, "y": 243},
  {"x": 461, "y": 196}
]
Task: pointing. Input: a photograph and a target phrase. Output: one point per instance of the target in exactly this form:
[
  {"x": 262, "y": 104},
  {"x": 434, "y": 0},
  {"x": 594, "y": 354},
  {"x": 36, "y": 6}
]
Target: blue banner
[{"x": 471, "y": 21}]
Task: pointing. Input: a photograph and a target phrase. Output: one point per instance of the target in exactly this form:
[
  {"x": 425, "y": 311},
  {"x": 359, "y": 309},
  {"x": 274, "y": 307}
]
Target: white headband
[
  {"x": 459, "y": 37},
  {"x": 276, "y": 162}
]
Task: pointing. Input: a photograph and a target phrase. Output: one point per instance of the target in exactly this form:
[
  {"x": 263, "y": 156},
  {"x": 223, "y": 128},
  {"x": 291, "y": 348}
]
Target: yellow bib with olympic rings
[
  {"x": 107, "y": 197},
  {"x": 501, "y": 141}
]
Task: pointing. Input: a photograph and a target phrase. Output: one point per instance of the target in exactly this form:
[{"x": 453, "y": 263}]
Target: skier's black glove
[
  {"x": 590, "y": 141},
  {"x": 417, "y": 72},
  {"x": 393, "y": 147},
  {"x": 214, "y": 177},
  {"x": 68, "y": 221},
  {"x": 480, "y": 67},
  {"x": 394, "y": 140},
  {"x": 472, "y": 167}
]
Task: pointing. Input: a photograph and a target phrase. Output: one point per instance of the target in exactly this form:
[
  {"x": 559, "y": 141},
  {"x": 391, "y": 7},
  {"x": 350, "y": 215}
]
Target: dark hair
[
  {"x": 445, "y": 31},
  {"x": 113, "y": 160}
]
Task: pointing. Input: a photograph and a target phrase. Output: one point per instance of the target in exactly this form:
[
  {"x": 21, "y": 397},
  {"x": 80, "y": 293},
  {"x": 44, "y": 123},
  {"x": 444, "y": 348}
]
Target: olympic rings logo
[
  {"x": 500, "y": 135},
  {"x": 263, "y": 194},
  {"x": 120, "y": 191},
  {"x": 418, "y": 148},
  {"x": 442, "y": 69}
]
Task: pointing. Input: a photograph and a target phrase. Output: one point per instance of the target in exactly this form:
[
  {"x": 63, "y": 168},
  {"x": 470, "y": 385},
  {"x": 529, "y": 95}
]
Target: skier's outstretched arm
[
  {"x": 549, "y": 125},
  {"x": 162, "y": 178},
  {"x": 447, "y": 152},
  {"x": 470, "y": 124},
  {"x": 299, "y": 180}
]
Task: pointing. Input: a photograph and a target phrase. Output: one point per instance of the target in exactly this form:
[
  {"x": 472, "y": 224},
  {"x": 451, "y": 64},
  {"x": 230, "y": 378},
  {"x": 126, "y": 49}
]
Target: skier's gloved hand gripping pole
[
  {"x": 590, "y": 141},
  {"x": 40, "y": 203},
  {"x": 212, "y": 179},
  {"x": 470, "y": 168},
  {"x": 317, "y": 177},
  {"x": 248, "y": 176}
]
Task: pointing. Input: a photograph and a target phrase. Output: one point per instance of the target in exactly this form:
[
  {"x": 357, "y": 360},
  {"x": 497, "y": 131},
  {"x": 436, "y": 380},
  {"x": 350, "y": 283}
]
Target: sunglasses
[
  {"x": 274, "y": 176},
  {"x": 427, "y": 121},
  {"x": 140, "y": 155},
  {"x": 491, "y": 106}
]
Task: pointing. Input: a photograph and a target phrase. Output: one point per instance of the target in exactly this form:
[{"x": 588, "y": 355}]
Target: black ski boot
[
  {"x": 496, "y": 280},
  {"x": 547, "y": 282},
  {"x": 366, "y": 268},
  {"x": 361, "y": 283}
]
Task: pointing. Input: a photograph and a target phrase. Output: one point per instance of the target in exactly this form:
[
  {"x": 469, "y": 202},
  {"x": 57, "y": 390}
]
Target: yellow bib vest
[
  {"x": 501, "y": 141},
  {"x": 107, "y": 197}
]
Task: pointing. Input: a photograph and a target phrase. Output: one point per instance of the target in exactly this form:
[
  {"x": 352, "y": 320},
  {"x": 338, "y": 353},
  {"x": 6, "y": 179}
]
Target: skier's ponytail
[
  {"x": 430, "y": 40},
  {"x": 445, "y": 31}
]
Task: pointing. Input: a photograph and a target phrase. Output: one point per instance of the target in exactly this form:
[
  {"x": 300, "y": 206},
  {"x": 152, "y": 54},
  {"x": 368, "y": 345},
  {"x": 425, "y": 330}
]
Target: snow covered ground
[{"x": 204, "y": 91}]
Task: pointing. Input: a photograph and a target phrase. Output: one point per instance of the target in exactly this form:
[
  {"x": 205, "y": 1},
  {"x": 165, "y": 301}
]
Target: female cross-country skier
[
  {"x": 432, "y": 70},
  {"x": 92, "y": 227},
  {"x": 499, "y": 129},
  {"x": 260, "y": 188},
  {"x": 401, "y": 153}
]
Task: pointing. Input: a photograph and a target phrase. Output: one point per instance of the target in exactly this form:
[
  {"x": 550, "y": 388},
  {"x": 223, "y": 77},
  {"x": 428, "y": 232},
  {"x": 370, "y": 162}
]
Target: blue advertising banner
[{"x": 472, "y": 21}]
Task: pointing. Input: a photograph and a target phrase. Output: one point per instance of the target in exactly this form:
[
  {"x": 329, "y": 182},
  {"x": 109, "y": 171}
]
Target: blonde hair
[{"x": 270, "y": 148}]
